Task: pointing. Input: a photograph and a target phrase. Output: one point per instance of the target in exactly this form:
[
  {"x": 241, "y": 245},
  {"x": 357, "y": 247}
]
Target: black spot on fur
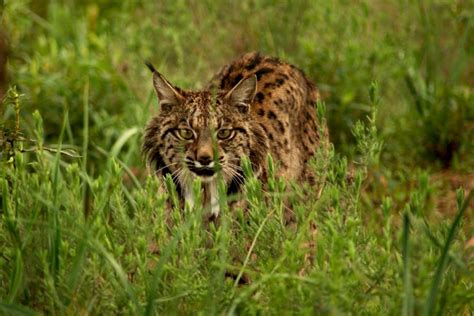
[
  {"x": 241, "y": 130},
  {"x": 254, "y": 62},
  {"x": 274, "y": 84},
  {"x": 273, "y": 61},
  {"x": 281, "y": 127},
  {"x": 227, "y": 82},
  {"x": 263, "y": 71},
  {"x": 259, "y": 97},
  {"x": 238, "y": 78},
  {"x": 263, "y": 128},
  {"x": 233, "y": 80},
  {"x": 271, "y": 115},
  {"x": 305, "y": 147},
  {"x": 269, "y": 85},
  {"x": 261, "y": 112}
]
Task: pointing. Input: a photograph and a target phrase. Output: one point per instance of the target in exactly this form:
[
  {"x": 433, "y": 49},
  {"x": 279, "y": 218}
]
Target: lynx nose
[
  {"x": 204, "y": 150},
  {"x": 204, "y": 159}
]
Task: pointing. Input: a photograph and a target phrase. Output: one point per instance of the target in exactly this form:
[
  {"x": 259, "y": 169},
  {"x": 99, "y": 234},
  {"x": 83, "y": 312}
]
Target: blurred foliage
[
  {"x": 343, "y": 46},
  {"x": 107, "y": 249}
]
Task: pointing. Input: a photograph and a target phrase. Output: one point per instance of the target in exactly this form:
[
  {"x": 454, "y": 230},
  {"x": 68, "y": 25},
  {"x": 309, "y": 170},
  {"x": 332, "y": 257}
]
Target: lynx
[{"x": 254, "y": 107}]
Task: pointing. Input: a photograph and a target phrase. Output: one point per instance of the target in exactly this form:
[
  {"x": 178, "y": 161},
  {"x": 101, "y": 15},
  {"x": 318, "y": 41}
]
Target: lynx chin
[{"x": 255, "y": 106}]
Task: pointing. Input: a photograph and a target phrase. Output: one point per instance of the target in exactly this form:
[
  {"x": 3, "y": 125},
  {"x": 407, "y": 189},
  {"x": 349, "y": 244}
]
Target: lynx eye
[
  {"x": 225, "y": 133},
  {"x": 185, "y": 133}
]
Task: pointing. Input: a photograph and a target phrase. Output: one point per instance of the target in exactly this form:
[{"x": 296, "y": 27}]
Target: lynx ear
[
  {"x": 167, "y": 94},
  {"x": 242, "y": 94}
]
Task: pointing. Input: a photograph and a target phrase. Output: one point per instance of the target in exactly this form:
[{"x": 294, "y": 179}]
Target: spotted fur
[{"x": 269, "y": 108}]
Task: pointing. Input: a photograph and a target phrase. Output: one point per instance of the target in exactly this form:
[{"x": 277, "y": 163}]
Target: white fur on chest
[{"x": 210, "y": 195}]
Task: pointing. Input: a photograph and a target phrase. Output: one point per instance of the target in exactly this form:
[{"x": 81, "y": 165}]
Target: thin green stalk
[
  {"x": 85, "y": 147},
  {"x": 122, "y": 276},
  {"x": 55, "y": 236},
  {"x": 408, "y": 287},
  {"x": 430, "y": 303},
  {"x": 77, "y": 267},
  {"x": 14, "y": 309},
  {"x": 16, "y": 277},
  {"x": 159, "y": 269},
  {"x": 249, "y": 253}
]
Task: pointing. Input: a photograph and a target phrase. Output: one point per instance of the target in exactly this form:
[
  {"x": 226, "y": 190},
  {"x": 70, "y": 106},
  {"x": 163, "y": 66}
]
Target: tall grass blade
[
  {"x": 10, "y": 220},
  {"x": 408, "y": 287},
  {"x": 249, "y": 252},
  {"x": 16, "y": 310},
  {"x": 126, "y": 135},
  {"x": 122, "y": 276},
  {"x": 430, "y": 303},
  {"x": 85, "y": 148},
  {"x": 55, "y": 237},
  {"x": 462, "y": 59},
  {"x": 167, "y": 252},
  {"x": 122, "y": 164},
  {"x": 158, "y": 271},
  {"x": 77, "y": 267},
  {"x": 16, "y": 277}
]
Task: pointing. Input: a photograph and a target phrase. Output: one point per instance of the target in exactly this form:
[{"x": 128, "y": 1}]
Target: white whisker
[{"x": 167, "y": 166}]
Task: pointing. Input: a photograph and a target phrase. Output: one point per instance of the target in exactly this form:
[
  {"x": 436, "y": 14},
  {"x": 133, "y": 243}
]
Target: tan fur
[{"x": 274, "y": 114}]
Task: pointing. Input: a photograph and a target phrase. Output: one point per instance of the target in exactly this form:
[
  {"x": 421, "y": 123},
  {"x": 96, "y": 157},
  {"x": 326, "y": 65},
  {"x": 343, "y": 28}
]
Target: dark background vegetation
[{"x": 84, "y": 96}]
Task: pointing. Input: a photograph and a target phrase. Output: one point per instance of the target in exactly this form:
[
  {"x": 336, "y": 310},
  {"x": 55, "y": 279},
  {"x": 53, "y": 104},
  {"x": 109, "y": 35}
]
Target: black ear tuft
[
  {"x": 168, "y": 95},
  {"x": 150, "y": 66}
]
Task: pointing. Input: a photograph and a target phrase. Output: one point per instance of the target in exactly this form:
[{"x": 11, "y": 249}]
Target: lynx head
[{"x": 201, "y": 133}]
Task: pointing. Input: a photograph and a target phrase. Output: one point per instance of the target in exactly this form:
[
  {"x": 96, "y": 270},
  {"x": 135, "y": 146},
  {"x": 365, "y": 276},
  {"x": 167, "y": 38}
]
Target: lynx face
[
  {"x": 255, "y": 106},
  {"x": 201, "y": 134}
]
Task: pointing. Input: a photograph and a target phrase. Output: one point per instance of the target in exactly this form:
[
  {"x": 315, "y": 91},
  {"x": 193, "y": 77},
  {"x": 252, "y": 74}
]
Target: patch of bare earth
[{"x": 446, "y": 202}]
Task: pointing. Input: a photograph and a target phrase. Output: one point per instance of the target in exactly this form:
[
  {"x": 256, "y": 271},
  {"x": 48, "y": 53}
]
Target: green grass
[{"x": 83, "y": 229}]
